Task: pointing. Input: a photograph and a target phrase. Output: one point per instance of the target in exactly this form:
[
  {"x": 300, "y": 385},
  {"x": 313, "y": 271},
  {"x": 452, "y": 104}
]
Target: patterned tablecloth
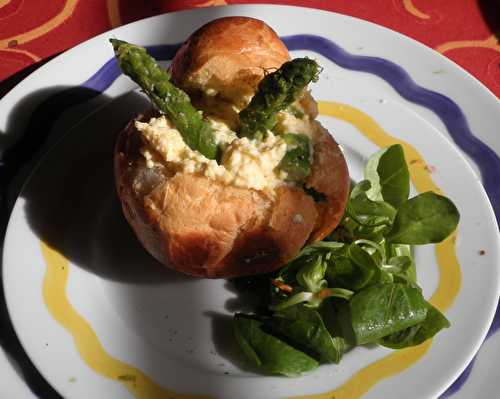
[
  {"x": 463, "y": 30},
  {"x": 33, "y": 31}
]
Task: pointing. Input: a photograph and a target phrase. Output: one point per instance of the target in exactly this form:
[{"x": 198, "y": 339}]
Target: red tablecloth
[{"x": 463, "y": 30}]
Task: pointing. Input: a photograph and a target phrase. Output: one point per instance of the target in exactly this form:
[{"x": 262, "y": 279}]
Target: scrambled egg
[
  {"x": 253, "y": 163},
  {"x": 288, "y": 123},
  {"x": 245, "y": 163}
]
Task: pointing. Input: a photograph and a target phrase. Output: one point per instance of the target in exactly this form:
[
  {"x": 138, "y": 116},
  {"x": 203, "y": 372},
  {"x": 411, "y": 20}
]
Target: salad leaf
[
  {"x": 389, "y": 177},
  {"x": 364, "y": 218},
  {"x": 424, "y": 219},
  {"x": 300, "y": 297},
  {"x": 374, "y": 249},
  {"x": 366, "y": 211},
  {"x": 361, "y": 257},
  {"x": 409, "y": 274},
  {"x": 305, "y": 326},
  {"x": 268, "y": 352},
  {"x": 434, "y": 322},
  {"x": 355, "y": 270},
  {"x": 398, "y": 264},
  {"x": 348, "y": 274},
  {"x": 360, "y": 188},
  {"x": 338, "y": 328},
  {"x": 360, "y": 285},
  {"x": 385, "y": 309},
  {"x": 311, "y": 300},
  {"x": 311, "y": 274},
  {"x": 323, "y": 247},
  {"x": 289, "y": 273}
]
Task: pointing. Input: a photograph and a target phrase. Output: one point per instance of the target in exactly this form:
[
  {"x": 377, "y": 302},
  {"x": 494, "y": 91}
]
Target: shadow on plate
[
  {"x": 36, "y": 122},
  {"x": 34, "y": 125},
  {"x": 71, "y": 202}
]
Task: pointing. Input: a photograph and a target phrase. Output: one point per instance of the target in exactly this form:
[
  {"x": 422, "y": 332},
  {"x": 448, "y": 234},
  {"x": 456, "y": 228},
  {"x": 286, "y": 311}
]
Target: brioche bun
[
  {"x": 204, "y": 228},
  {"x": 228, "y": 56}
]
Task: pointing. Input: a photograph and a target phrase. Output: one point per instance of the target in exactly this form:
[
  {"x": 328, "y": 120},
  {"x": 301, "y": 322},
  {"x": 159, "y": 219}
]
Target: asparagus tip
[{"x": 117, "y": 43}]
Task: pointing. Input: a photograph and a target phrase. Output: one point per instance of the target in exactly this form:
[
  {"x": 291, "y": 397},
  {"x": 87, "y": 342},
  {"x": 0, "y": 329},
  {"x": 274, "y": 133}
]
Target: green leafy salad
[{"x": 358, "y": 286}]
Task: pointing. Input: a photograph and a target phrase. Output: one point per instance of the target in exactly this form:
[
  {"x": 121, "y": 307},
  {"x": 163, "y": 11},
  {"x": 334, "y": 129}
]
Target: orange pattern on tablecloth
[
  {"x": 4, "y": 3},
  {"x": 15, "y": 58},
  {"x": 24, "y": 37},
  {"x": 115, "y": 18},
  {"x": 19, "y": 51},
  {"x": 490, "y": 43},
  {"x": 408, "y": 4},
  {"x": 214, "y": 3}
]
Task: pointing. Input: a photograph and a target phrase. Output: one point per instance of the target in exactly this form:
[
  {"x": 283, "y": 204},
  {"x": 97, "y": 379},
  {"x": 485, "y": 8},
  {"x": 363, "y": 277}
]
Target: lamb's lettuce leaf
[
  {"x": 385, "y": 309},
  {"x": 424, "y": 219},
  {"x": 268, "y": 352},
  {"x": 389, "y": 177},
  {"x": 434, "y": 322},
  {"x": 305, "y": 326}
]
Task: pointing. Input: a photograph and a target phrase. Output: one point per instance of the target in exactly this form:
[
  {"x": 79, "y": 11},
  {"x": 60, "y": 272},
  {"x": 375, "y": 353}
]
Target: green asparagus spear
[
  {"x": 296, "y": 161},
  {"x": 175, "y": 103},
  {"x": 276, "y": 92}
]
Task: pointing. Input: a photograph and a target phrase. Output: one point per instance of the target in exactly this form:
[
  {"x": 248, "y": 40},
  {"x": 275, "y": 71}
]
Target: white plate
[{"x": 120, "y": 310}]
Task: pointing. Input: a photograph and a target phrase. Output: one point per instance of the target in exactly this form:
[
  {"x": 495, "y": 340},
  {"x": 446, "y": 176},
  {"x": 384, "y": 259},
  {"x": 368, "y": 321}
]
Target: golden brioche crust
[
  {"x": 228, "y": 56},
  {"x": 203, "y": 228},
  {"x": 329, "y": 176}
]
